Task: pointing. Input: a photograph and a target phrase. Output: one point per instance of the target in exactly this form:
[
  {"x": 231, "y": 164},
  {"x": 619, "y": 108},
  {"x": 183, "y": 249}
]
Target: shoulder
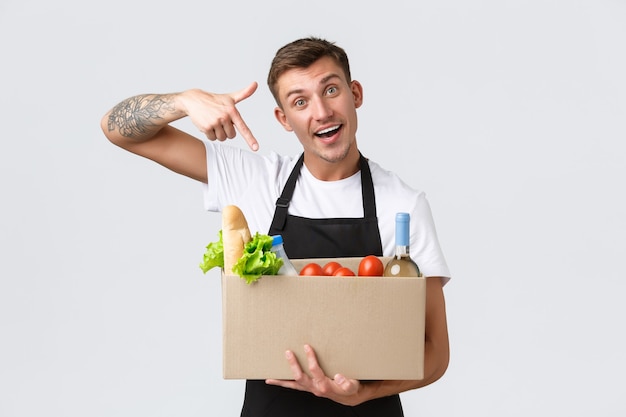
[
  {"x": 387, "y": 182},
  {"x": 395, "y": 195}
]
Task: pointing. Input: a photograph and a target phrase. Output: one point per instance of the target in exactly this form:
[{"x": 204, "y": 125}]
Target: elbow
[
  {"x": 104, "y": 124},
  {"x": 109, "y": 130},
  {"x": 106, "y": 128}
]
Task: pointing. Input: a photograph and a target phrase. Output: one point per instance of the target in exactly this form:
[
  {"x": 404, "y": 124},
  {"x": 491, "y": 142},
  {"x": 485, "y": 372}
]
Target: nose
[{"x": 321, "y": 109}]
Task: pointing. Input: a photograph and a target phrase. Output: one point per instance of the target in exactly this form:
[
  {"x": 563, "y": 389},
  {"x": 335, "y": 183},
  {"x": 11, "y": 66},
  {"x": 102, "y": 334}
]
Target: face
[{"x": 319, "y": 106}]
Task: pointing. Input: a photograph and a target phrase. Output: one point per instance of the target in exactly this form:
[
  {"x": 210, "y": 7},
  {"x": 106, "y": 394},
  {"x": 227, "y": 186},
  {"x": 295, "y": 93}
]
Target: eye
[
  {"x": 300, "y": 102},
  {"x": 331, "y": 90}
]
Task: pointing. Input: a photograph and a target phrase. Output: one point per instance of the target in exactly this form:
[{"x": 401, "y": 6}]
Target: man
[{"x": 329, "y": 202}]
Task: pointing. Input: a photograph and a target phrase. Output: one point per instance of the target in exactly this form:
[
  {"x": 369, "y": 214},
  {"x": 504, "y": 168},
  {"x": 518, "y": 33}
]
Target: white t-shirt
[{"x": 254, "y": 182}]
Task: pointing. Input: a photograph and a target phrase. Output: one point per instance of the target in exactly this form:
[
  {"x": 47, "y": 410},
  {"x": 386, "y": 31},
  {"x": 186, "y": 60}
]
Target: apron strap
[
  {"x": 367, "y": 189},
  {"x": 280, "y": 215},
  {"x": 282, "y": 203}
]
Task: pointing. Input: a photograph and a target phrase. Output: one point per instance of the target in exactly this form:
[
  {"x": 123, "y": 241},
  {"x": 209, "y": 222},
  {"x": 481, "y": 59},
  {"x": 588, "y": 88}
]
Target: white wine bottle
[{"x": 401, "y": 265}]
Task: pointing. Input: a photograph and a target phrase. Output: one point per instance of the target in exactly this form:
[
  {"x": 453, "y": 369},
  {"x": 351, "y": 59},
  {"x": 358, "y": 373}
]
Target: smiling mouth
[{"x": 326, "y": 133}]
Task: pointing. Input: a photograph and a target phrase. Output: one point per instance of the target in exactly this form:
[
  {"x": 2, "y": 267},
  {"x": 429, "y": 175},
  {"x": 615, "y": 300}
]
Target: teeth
[{"x": 330, "y": 129}]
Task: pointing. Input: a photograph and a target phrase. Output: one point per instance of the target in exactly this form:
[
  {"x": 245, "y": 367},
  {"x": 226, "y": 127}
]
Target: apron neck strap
[{"x": 367, "y": 192}]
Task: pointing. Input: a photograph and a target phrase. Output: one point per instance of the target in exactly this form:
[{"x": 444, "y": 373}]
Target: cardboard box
[{"x": 363, "y": 327}]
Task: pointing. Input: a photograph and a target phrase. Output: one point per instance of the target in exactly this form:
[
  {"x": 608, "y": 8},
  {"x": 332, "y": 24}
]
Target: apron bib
[{"x": 320, "y": 238}]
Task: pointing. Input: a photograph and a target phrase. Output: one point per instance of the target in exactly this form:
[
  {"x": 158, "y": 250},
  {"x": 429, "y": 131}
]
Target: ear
[
  {"x": 282, "y": 119},
  {"x": 357, "y": 93}
]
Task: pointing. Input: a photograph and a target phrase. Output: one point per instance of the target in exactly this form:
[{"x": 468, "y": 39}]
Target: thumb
[
  {"x": 244, "y": 93},
  {"x": 349, "y": 386}
]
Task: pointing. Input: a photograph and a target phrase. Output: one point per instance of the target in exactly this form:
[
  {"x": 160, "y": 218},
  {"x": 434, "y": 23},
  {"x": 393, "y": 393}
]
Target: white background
[{"x": 509, "y": 114}]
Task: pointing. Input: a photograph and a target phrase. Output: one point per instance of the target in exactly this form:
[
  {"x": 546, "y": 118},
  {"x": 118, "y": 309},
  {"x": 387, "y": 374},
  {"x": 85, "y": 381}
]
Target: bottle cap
[
  {"x": 403, "y": 217},
  {"x": 277, "y": 240},
  {"x": 402, "y": 229}
]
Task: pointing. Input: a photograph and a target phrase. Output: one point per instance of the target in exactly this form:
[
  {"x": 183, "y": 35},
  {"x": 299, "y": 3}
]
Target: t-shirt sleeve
[
  {"x": 425, "y": 247},
  {"x": 209, "y": 192},
  {"x": 232, "y": 176}
]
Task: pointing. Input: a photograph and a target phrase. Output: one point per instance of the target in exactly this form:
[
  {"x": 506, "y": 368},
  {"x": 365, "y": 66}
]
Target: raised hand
[{"x": 216, "y": 115}]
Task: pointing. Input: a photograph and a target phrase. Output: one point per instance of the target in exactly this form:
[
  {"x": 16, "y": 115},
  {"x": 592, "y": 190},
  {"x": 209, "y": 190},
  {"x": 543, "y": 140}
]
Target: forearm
[
  {"x": 436, "y": 363},
  {"x": 139, "y": 118},
  {"x": 141, "y": 125}
]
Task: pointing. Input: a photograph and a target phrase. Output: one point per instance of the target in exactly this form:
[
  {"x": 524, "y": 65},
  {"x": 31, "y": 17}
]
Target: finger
[
  {"x": 285, "y": 384},
  {"x": 296, "y": 369},
  {"x": 314, "y": 367},
  {"x": 348, "y": 386},
  {"x": 219, "y": 133},
  {"x": 238, "y": 121},
  {"x": 229, "y": 130},
  {"x": 210, "y": 134},
  {"x": 244, "y": 93},
  {"x": 245, "y": 131}
]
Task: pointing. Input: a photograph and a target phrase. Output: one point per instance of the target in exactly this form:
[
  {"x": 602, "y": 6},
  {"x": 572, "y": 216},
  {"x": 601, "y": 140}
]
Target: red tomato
[
  {"x": 331, "y": 267},
  {"x": 371, "y": 266},
  {"x": 312, "y": 269},
  {"x": 343, "y": 272}
]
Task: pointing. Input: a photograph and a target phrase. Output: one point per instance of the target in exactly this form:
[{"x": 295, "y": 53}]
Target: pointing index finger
[
  {"x": 245, "y": 131},
  {"x": 238, "y": 121}
]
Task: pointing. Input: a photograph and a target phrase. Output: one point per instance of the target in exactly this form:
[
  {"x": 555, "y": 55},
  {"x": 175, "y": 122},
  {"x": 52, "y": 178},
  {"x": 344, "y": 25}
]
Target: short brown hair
[{"x": 302, "y": 53}]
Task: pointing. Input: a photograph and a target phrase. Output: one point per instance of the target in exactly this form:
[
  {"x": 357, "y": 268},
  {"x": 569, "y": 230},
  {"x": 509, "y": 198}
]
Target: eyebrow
[{"x": 322, "y": 82}]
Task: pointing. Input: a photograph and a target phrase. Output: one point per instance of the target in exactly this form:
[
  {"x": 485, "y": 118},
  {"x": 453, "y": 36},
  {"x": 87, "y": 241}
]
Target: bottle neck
[
  {"x": 402, "y": 235},
  {"x": 402, "y": 251}
]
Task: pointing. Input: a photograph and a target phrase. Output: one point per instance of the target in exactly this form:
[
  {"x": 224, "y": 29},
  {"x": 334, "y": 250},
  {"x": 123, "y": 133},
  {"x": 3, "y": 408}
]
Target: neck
[{"x": 325, "y": 170}]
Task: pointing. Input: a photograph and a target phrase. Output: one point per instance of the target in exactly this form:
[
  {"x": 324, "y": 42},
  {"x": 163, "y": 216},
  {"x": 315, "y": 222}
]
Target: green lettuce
[
  {"x": 214, "y": 255},
  {"x": 257, "y": 259}
]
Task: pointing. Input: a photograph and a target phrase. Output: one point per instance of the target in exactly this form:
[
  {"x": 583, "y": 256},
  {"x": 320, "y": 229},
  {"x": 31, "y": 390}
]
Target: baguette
[{"x": 235, "y": 235}]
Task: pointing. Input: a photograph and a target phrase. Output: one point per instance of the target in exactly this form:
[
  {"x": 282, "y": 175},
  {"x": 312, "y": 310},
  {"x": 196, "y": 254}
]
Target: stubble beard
[{"x": 334, "y": 156}]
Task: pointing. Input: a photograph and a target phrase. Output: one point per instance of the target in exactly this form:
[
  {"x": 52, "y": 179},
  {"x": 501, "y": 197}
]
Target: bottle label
[{"x": 395, "y": 269}]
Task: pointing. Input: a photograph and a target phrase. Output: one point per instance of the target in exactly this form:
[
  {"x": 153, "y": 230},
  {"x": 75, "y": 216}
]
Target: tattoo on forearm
[{"x": 137, "y": 115}]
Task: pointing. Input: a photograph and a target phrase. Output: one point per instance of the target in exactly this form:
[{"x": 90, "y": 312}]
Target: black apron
[{"x": 320, "y": 238}]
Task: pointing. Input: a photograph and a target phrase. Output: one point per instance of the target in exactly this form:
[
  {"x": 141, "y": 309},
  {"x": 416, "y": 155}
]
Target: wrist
[
  {"x": 186, "y": 101},
  {"x": 182, "y": 101}
]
